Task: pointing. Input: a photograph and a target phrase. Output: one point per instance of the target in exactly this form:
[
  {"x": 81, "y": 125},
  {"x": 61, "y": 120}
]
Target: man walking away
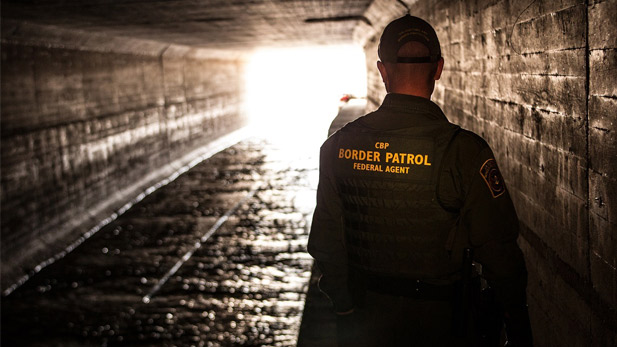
[{"x": 403, "y": 195}]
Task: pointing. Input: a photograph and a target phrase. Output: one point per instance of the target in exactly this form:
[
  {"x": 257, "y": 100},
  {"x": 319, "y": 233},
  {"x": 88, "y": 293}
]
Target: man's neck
[
  {"x": 422, "y": 94},
  {"x": 422, "y": 91}
]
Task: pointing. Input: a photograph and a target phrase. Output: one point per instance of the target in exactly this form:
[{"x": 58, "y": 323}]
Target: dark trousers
[{"x": 386, "y": 320}]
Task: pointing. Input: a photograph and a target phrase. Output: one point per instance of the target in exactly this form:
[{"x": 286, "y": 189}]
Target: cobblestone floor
[{"x": 243, "y": 285}]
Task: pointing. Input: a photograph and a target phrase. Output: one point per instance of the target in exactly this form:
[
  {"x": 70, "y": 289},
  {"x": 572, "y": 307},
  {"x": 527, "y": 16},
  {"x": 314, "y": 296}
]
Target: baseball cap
[{"x": 405, "y": 29}]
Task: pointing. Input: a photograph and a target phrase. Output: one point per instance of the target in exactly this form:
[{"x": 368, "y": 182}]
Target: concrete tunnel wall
[
  {"x": 537, "y": 80},
  {"x": 89, "y": 122},
  {"x": 83, "y": 122}
]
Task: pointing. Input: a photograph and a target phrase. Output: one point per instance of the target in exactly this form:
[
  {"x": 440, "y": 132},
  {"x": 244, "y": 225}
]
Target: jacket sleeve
[
  {"x": 489, "y": 216},
  {"x": 326, "y": 239}
]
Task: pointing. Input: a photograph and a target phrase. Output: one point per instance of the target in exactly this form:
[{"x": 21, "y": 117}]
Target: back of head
[
  {"x": 411, "y": 56},
  {"x": 417, "y": 74}
]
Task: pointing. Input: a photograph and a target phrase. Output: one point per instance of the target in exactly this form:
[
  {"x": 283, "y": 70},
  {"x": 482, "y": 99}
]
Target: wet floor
[{"x": 215, "y": 258}]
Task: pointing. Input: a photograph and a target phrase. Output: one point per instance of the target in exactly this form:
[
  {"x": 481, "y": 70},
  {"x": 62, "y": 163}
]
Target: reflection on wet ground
[{"x": 244, "y": 285}]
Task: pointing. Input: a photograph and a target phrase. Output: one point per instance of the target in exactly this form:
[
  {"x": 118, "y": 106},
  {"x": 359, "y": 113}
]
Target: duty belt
[{"x": 410, "y": 288}]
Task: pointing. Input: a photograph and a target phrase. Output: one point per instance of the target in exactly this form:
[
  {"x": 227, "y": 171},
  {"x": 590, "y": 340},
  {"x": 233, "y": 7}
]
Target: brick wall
[
  {"x": 537, "y": 80},
  {"x": 89, "y": 122}
]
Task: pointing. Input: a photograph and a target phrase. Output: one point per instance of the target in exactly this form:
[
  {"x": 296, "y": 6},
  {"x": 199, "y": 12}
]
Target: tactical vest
[{"x": 393, "y": 222}]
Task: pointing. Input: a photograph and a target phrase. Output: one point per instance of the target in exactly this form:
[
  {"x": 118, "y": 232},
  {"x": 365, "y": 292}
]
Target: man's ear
[
  {"x": 384, "y": 74},
  {"x": 439, "y": 69}
]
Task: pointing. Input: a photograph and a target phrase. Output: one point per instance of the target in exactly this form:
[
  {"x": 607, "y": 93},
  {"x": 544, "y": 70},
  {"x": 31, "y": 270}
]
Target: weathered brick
[
  {"x": 603, "y": 161},
  {"x": 602, "y": 190},
  {"x": 563, "y": 94},
  {"x": 525, "y": 11},
  {"x": 533, "y": 110},
  {"x": 603, "y": 64},
  {"x": 570, "y": 63},
  {"x": 564, "y": 169},
  {"x": 602, "y": 114},
  {"x": 602, "y": 25},
  {"x": 558, "y": 94},
  {"x": 564, "y": 29},
  {"x": 549, "y": 206}
]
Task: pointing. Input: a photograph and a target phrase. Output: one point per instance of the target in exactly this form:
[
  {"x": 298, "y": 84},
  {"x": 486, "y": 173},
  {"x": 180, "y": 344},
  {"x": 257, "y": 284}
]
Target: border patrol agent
[{"x": 402, "y": 192}]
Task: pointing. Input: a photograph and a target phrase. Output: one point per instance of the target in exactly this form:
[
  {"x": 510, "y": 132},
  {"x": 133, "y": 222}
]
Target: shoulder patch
[{"x": 491, "y": 175}]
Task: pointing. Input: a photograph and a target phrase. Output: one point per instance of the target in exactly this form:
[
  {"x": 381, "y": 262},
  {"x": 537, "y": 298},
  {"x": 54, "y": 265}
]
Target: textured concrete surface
[
  {"x": 83, "y": 132},
  {"x": 220, "y": 24},
  {"x": 98, "y": 95},
  {"x": 100, "y": 100},
  {"x": 244, "y": 285},
  {"x": 534, "y": 79}
]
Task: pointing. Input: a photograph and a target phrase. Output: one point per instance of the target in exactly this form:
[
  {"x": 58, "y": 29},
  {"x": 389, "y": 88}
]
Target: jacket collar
[
  {"x": 403, "y": 111},
  {"x": 413, "y": 105}
]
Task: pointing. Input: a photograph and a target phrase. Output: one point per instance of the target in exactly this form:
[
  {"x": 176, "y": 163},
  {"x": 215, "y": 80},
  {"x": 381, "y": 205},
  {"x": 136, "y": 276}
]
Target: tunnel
[{"x": 129, "y": 143}]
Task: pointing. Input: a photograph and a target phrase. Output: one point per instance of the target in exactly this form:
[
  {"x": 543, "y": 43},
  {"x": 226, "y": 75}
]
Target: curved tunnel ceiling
[{"x": 218, "y": 24}]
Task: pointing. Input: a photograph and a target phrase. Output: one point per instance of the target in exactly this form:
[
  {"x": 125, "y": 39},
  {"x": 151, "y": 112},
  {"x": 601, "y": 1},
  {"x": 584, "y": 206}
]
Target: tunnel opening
[
  {"x": 295, "y": 92},
  {"x": 98, "y": 107}
]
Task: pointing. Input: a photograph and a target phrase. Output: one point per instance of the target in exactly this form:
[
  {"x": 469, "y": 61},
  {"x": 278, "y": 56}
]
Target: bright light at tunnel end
[{"x": 295, "y": 92}]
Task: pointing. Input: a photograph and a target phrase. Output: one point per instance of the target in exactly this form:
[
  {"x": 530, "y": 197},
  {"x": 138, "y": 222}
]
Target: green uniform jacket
[{"x": 469, "y": 184}]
